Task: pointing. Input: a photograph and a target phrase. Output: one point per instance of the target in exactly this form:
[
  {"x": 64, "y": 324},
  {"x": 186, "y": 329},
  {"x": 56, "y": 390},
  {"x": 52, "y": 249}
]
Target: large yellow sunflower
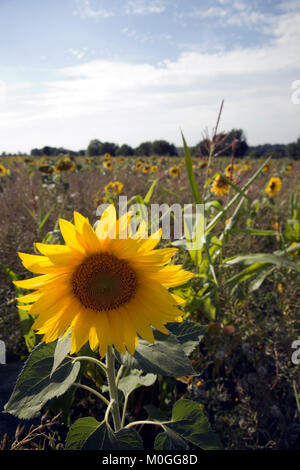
[{"x": 105, "y": 288}]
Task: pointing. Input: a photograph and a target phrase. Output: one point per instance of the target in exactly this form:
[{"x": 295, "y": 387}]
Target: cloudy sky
[{"x": 132, "y": 70}]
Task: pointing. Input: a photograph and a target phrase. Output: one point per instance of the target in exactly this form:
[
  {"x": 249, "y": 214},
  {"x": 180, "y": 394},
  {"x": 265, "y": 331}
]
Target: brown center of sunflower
[
  {"x": 104, "y": 282},
  {"x": 221, "y": 183}
]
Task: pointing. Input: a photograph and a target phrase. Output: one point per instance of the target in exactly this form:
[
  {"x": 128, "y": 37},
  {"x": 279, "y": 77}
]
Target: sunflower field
[{"x": 114, "y": 340}]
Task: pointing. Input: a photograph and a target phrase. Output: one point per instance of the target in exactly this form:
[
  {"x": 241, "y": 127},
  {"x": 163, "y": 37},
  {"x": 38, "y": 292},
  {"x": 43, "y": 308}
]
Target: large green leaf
[
  {"x": 63, "y": 347},
  {"x": 170, "y": 440},
  {"x": 36, "y": 386},
  {"x": 135, "y": 380},
  {"x": 189, "y": 425},
  {"x": 89, "y": 434},
  {"x": 166, "y": 357},
  {"x": 188, "y": 333},
  {"x": 263, "y": 258}
]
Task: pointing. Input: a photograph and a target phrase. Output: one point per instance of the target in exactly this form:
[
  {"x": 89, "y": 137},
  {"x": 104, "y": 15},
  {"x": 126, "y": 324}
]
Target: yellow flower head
[
  {"x": 115, "y": 187},
  {"x": 107, "y": 164},
  {"x": 230, "y": 170},
  {"x": 267, "y": 167},
  {"x": 274, "y": 186},
  {"x": 246, "y": 167},
  {"x": 220, "y": 187},
  {"x": 139, "y": 165},
  {"x": 107, "y": 156},
  {"x": 174, "y": 171},
  {"x": 121, "y": 159},
  {"x": 154, "y": 168},
  {"x": 65, "y": 165},
  {"x": 102, "y": 287},
  {"x": 146, "y": 169},
  {"x": 2, "y": 170},
  {"x": 288, "y": 169}
]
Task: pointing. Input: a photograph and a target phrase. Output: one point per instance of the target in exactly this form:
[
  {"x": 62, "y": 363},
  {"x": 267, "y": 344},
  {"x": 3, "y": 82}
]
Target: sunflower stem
[
  {"x": 91, "y": 390},
  {"x": 113, "y": 390},
  {"x": 91, "y": 359}
]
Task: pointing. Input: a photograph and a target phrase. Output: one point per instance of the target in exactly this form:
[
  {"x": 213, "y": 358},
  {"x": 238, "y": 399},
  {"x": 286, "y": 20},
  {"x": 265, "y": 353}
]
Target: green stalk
[{"x": 113, "y": 390}]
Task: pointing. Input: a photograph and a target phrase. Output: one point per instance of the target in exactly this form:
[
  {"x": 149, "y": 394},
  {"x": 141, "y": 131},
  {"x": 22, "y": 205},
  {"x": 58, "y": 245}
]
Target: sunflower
[
  {"x": 107, "y": 156},
  {"x": 121, "y": 159},
  {"x": 220, "y": 187},
  {"x": 114, "y": 186},
  {"x": 267, "y": 167},
  {"x": 2, "y": 170},
  {"x": 102, "y": 287},
  {"x": 230, "y": 170},
  {"x": 139, "y": 165},
  {"x": 47, "y": 169},
  {"x": 107, "y": 164},
  {"x": 274, "y": 186},
  {"x": 288, "y": 169},
  {"x": 146, "y": 169},
  {"x": 174, "y": 171},
  {"x": 65, "y": 165},
  {"x": 154, "y": 168}
]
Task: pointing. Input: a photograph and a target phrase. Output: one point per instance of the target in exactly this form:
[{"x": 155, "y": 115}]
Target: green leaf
[
  {"x": 36, "y": 386},
  {"x": 255, "y": 231},
  {"x": 166, "y": 357},
  {"x": 155, "y": 414},
  {"x": 263, "y": 258},
  {"x": 63, "y": 347},
  {"x": 190, "y": 172},
  {"x": 129, "y": 439},
  {"x": 135, "y": 380},
  {"x": 246, "y": 274},
  {"x": 170, "y": 440},
  {"x": 190, "y": 423},
  {"x": 188, "y": 333},
  {"x": 90, "y": 434},
  {"x": 150, "y": 192}
]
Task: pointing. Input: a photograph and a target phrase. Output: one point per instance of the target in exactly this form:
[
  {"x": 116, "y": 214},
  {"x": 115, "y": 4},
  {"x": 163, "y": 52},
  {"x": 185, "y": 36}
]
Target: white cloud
[
  {"x": 85, "y": 10},
  {"x": 2, "y": 92},
  {"x": 128, "y": 102},
  {"x": 144, "y": 7},
  {"x": 78, "y": 53}
]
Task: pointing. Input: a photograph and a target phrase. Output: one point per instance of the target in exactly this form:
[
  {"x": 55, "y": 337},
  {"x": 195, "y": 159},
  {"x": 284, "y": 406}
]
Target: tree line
[{"x": 233, "y": 142}]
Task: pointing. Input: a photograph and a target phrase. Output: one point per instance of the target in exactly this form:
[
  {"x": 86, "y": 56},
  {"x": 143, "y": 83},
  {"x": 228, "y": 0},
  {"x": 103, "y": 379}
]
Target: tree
[
  {"x": 125, "y": 150},
  {"x": 162, "y": 147},
  {"x": 293, "y": 150},
  {"x": 94, "y": 148},
  {"x": 144, "y": 149}
]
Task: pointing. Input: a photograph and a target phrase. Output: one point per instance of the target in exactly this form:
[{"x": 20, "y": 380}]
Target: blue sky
[{"x": 134, "y": 70}]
